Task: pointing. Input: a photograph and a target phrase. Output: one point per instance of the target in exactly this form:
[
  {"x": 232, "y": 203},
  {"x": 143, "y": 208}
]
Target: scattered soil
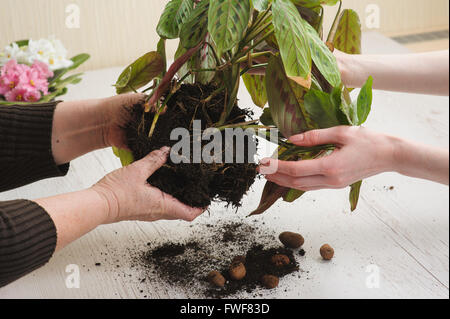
[
  {"x": 189, "y": 264},
  {"x": 199, "y": 184}
]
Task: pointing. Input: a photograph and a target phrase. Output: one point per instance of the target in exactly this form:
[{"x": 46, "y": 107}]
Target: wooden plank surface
[{"x": 402, "y": 232}]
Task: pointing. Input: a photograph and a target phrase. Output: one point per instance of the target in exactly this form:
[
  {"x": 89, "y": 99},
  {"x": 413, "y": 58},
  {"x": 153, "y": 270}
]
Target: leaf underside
[{"x": 348, "y": 34}]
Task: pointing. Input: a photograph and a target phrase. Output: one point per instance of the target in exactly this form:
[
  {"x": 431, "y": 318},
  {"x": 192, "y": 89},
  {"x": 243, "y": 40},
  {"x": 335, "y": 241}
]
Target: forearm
[
  {"x": 421, "y": 161},
  {"x": 426, "y": 73},
  {"x": 75, "y": 214},
  {"x": 77, "y": 129}
]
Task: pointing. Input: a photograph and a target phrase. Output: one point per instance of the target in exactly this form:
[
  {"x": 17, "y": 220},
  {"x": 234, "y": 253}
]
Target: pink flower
[
  {"x": 43, "y": 69},
  {"x": 32, "y": 95},
  {"x": 20, "y": 82},
  {"x": 16, "y": 95}
]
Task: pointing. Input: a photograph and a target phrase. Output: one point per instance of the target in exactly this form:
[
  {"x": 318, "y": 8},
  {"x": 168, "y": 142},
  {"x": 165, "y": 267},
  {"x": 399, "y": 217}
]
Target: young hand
[{"x": 360, "y": 153}]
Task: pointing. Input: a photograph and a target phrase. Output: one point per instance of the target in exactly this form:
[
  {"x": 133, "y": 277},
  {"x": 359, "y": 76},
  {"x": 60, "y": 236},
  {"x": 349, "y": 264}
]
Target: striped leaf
[
  {"x": 140, "y": 72},
  {"x": 323, "y": 58},
  {"x": 348, "y": 34},
  {"x": 285, "y": 100},
  {"x": 261, "y": 5},
  {"x": 314, "y": 3},
  {"x": 175, "y": 14},
  {"x": 205, "y": 60},
  {"x": 256, "y": 86},
  {"x": 227, "y": 21},
  {"x": 195, "y": 28},
  {"x": 291, "y": 37}
]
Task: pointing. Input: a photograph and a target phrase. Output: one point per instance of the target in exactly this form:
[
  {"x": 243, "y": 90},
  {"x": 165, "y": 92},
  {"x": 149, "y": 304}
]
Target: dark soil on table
[
  {"x": 187, "y": 264},
  {"x": 199, "y": 184}
]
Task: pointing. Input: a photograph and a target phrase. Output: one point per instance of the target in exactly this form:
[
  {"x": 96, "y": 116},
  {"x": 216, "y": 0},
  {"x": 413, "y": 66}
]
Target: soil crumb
[
  {"x": 186, "y": 264},
  {"x": 193, "y": 183}
]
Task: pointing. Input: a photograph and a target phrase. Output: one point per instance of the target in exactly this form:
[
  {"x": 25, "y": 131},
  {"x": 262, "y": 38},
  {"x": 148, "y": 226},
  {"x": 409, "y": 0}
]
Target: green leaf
[
  {"x": 313, "y": 16},
  {"x": 77, "y": 61},
  {"x": 365, "y": 101},
  {"x": 266, "y": 118},
  {"x": 227, "y": 21},
  {"x": 292, "y": 195},
  {"x": 285, "y": 100},
  {"x": 261, "y": 5},
  {"x": 22, "y": 43},
  {"x": 294, "y": 47},
  {"x": 348, "y": 34},
  {"x": 256, "y": 86},
  {"x": 161, "y": 49},
  {"x": 322, "y": 56},
  {"x": 322, "y": 108},
  {"x": 231, "y": 79},
  {"x": 175, "y": 14},
  {"x": 195, "y": 28},
  {"x": 314, "y": 3},
  {"x": 184, "y": 69},
  {"x": 348, "y": 110},
  {"x": 354, "y": 195},
  {"x": 73, "y": 79},
  {"x": 140, "y": 72},
  {"x": 126, "y": 157}
]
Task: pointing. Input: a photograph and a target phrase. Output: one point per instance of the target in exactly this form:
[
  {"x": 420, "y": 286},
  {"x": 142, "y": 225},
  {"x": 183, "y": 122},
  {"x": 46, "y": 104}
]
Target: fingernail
[
  {"x": 297, "y": 138},
  {"x": 265, "y": 162},
  {"x": 165, "y": 149}
]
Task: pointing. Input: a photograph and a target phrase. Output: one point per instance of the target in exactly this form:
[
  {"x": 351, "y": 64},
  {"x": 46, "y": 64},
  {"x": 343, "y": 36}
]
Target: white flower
[
  {"x": 50, "y": 51},
  {"x": 8, "y": 53}
]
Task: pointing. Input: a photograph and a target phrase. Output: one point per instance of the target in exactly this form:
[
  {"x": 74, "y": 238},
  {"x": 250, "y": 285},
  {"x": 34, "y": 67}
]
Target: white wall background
[{"x": 115, "y": 32}]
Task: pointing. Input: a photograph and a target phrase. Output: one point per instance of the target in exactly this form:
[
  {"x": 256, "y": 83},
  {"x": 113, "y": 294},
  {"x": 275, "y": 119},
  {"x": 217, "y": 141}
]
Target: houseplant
[{"x": 222, "y": 41}]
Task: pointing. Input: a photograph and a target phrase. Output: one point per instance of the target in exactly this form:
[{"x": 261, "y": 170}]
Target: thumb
[
  {"x": 152, "y": 162},
  {"x": 334, "y": 135}
]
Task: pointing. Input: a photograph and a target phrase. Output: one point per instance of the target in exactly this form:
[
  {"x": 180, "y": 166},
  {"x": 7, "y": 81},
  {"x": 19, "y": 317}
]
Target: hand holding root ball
[{"x": 129, "y": 197}]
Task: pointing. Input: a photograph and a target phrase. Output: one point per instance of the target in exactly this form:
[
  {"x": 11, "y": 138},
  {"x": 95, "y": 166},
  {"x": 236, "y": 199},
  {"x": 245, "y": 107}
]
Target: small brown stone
[
  {"x": 280, "y": 260},
  {"x": 216, "y": 278},
  {"x": 237, "y": 271},
  {"x": 291, "y": 240},
  {"x": 327, "y": 252},
  {"x": 270, "y": 282}
]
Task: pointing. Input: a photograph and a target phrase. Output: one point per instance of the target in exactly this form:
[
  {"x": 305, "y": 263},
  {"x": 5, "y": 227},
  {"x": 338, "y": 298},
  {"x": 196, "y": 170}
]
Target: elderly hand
[
  {"x": 80, "y": 127},
  {"x": 129, "y": 196}
]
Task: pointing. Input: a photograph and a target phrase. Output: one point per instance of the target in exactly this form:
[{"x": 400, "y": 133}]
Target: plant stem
[
  {"x": 214, "y": 53},
  {"x": 254, "y": 55},
  {"x": 185, "y": 76},
  {"x": 253, "y": 46},
  {"x": 333, "y": 27},
  {"x": 256, "y": 66}
]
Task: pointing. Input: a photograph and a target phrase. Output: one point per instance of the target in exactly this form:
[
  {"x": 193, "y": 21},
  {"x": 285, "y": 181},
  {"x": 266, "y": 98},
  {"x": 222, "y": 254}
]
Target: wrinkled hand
[
  {"x": 129, "y": 196},
  {"x": 360, "y": 153},
  {"x": 114, "y": 116}
]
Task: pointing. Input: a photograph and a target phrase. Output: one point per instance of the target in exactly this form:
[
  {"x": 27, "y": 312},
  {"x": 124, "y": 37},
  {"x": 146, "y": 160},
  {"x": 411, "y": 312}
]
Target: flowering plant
[{"x": 32, "y": 71}]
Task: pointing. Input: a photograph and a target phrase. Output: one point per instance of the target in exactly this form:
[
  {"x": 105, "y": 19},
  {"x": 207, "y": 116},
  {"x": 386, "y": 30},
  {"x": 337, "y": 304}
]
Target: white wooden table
[{"x": 404, "y": 232}]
